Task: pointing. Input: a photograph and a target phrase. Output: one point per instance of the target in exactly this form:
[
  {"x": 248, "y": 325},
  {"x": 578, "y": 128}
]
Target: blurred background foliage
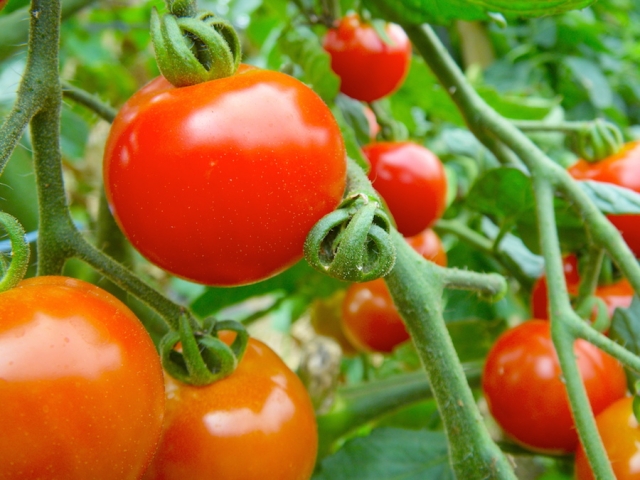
[{"x": 579, "y": 65}]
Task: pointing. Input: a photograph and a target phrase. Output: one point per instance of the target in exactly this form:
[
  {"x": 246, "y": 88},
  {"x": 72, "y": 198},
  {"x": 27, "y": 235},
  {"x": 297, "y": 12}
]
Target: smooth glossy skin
[
  {"x": 619, "y": 294},
  {"x": 256, "y": 424},
  {"x": 369, "y": 68},
  {"x": 523, "y": 386},
  {"x": 428, "y": 244},
  {"x": 621, "y": 438},
  {"x": 412, "y": 182},
  {"x": 220, "y": 183},
  {"x": 81, "y": 385},
  {"x": 622, "y": 169}
]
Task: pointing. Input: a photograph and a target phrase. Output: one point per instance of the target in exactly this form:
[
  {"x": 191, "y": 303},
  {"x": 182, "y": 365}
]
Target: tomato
[
  {"x": 428, "y": 244},
  {"x": 412, "y": 182},
  {"x": 220, "y": 183},
  {"x": 326, "y": 319},
  {"x": 369, "y": 68},
  {"x": 81, "y": 387},
  {"x": 256, "y": 423},
  {"x": 616, "y": 295},
  {"x": 370, "y": 320},
  {"x": 622, "y": 169},
  {"x": 621, "y": 438},
  {"x": 525, "y": 392}
]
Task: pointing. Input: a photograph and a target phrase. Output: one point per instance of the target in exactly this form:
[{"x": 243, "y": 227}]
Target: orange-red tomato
[
  {"x": 616, "y": 295},
  {"x": 621, "y": 438},
  {"x": 256, "y": 424},
  {"x": 81, "y": 386},
  {"x": 523, "y": 386},
  {"x": 369, "y": 68},
  {"x": 428, "y": 244},
  {"x": 221, "y": 182},
  {"x": 412, "y": 182},
  {"x": 621, "y": 169}
]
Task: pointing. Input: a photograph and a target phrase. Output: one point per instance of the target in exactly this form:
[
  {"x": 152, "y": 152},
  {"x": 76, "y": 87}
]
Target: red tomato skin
[
  {"x": 370, "y": 319},
  {"x": 220, "y": 183},
  {"x": 622, "y": 169},
  {"x": 412, "y": 182},
  {"x": 620, "y": 435},
  {"x": 428, "y": 244},
  {"x": 526, "y": 395},
  {"x": 616, "y": 295},
  {"x": 369, "y": 68},
  {"x": 257, "y": 423},
  {"x": 81, "y": 387}
]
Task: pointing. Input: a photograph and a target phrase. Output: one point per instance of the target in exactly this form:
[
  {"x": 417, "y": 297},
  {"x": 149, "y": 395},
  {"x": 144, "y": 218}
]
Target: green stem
[
  {"x": 540, "y": 126},
  {"x": 589, "y": 276},
  {"x": 19, "y": 252},
  {"x": 417, "y": 290},
  {"x": 85, "y": 99},
  {"x": 490, "y": 285}
]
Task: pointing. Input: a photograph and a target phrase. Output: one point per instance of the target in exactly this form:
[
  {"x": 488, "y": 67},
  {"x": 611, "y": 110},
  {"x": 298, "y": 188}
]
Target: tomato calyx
[
  {"x": 13, "y": 273},
  {"x": 202, "y": 357},
  {"x": 194, "y": 49},
  {"x": 352, "y": 243},
  {"x": 597, "y": 140}
]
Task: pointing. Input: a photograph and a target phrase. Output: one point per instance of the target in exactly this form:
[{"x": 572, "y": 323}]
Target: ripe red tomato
[
  {"x": 428, "y": 244},
  {"x": 81, "y": 387},
  {"x": 621, "y": 438},
  {"x": 256, "y": 423},
  {"x": 369, "y": 68},
  {"x": 523, "y": 386},
  {"x": 619, "y": 294},
  {"x": 370, "y": 320},
  {"x": 221, "y": 182},
  {"x": 621, "y": 169},
  {"x": 412, "y": 182}
]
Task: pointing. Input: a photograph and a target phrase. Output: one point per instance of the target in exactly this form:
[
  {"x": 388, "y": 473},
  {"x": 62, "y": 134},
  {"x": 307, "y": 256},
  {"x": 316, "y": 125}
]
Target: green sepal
[{"x": 599, "y": 140}]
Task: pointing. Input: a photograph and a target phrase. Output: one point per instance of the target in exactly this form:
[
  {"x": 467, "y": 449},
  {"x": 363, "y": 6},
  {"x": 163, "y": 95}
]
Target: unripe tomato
[
  {"x": 256, "y": 424},
  {"x": 616, "y": 295},
  {"x": 620, "y": 169},
  {"x": 220, "y": 182},
  {"x": 81, "y": 387},
  {"x": 369, "y": 68},
  {"x": 522, "y": 383},
  {"x": 412, "y": 182},
  {"x": 370, "y": 320},
  {"x": 620, "y": 435}
]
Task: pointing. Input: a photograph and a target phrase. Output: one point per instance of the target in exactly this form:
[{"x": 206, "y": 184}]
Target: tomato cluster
[{"x": 220, "y": 182}]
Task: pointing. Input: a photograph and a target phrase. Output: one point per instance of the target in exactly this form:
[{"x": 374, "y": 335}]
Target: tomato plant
[
  {"x": 411, "y": 181},
  {"x": 369, "y": 67},
  {"x": 620, "y": 435},
  {"x": 82, "y": 391},
  {"x": 619, "y": 169},
  {"x": 259, "y": 419},
  {"x": 615, "y": 295},
  {"x": 523, "y": 386},
  {"x": 428, "y": 244},
  {"x": 220, "y": 182}
]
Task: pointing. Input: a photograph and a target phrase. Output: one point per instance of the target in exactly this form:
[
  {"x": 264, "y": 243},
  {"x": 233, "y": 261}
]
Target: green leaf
[
  {"x": 625, "y": 326},
  {"x": 303, "y": 47},
  {"x": 590, "y": 76},
  {"x": 353, "y": 113},
  {"x": 390, "y": 453},
  {"x": 531, "y": 8},
  {"x": 441, "y": 12},
  {"x": 612, "y": 199},
  {"x": 517, "y": 107},
  {"x": 473, "y": 338}
]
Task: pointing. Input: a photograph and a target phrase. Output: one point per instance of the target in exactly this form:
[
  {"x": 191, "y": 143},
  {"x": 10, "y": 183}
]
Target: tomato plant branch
[
  {"x": 19, "y": 252},
  {"x": 589, "y": 275},
  {"x": 89, "y": 101}
]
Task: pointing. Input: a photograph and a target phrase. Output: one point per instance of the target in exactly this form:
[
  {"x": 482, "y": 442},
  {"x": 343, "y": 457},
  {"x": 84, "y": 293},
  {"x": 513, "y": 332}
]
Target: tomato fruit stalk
[
  {"x": 220, "y": 182},
  {"x": 369, "y": 68},
  {"x": 256, "y": 423},
  {"x": 522, "y": 383},
  {"x": 81, "y": 386}
]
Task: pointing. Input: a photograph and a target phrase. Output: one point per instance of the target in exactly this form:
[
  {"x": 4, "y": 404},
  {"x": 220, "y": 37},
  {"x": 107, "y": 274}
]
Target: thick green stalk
[{"x": 416, "y": 288}]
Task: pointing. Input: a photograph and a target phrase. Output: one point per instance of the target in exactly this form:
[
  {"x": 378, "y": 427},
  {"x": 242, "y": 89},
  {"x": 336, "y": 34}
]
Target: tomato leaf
[
  {"x": 531, "y": 8},
  {"x": 610, "y": 198},
  {"x": 625, "y": 326},
  {"x": 390, "y": 453},
  {"x": 591, "y": 77},
  {"x": 441, "y": 12}
]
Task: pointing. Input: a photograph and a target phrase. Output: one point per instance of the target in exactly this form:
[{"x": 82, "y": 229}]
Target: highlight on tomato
[
  {"x": 370, "y": 320},
  {"x": 220, "y": 182},
  {"x": 616, "y": 295},
  {"x": 368, "y": 66},
  {"x": 411, "y": 180},
  {"x": 522, "y": 383},
  {"x": 620, "y": 169},
  {"x": 255, "y": 424},
  {"x": 620, "y": 434},
  {"x": 82, "y": 391}
]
